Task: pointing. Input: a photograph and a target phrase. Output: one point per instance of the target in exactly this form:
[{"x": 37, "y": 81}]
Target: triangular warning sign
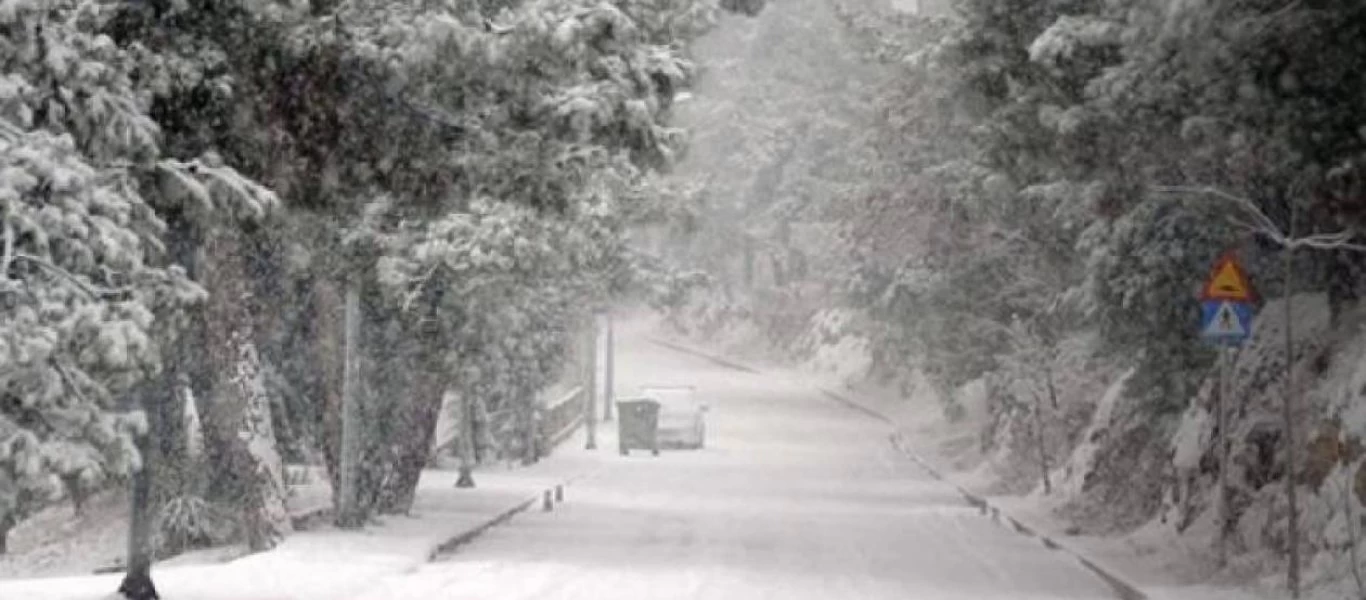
[
  {"x": 1225, "y": 323},
  {"x": 1227, "y": 282}
]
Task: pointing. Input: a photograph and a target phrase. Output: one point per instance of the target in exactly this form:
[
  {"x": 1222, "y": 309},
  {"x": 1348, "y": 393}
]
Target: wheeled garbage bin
[{"x": 638, "y": 425}]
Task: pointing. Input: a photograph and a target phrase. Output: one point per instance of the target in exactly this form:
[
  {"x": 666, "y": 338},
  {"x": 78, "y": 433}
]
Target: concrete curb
[
  {"x": 1122, "y": 589},
  {"x": 469, "y": 535},
  {"x": 703, "y": 355},
  {"x": 856, "y": 406}
]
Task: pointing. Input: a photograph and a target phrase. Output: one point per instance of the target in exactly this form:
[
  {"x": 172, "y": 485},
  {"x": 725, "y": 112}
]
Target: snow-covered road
[{"x": 795, "y": 497}]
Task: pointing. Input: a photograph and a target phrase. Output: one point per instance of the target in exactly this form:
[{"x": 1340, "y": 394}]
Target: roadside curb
[
  {"x": 473, "y": 533},
  {"x": 470, "y": 535},
  {"x": 725, "y": 362},
  {"x": 1122, "y": 589},
  {"x": 853, "y": 405}
]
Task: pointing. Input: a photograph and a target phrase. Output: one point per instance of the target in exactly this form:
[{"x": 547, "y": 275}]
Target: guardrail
[{"x": 559, "y": 418}]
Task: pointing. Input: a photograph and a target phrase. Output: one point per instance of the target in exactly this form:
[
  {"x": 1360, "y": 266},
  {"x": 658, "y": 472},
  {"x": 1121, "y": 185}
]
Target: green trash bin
[{"x": 638, "y": 425}]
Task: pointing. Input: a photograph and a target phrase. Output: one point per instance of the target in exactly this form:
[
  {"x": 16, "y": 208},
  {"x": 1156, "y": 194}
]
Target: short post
[
  {"x": 559, "y": 493},
  {"x": 547, "y": 504}
]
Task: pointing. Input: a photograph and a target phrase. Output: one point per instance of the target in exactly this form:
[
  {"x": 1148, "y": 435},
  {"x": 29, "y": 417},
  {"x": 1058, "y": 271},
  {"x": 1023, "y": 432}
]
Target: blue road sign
[{"x": 1225, "y": 322}]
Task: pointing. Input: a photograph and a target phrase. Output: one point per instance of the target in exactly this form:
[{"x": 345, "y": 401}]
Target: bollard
[
  {"x": 547, "y": 504},
  {"x": 559, "y": 493}
]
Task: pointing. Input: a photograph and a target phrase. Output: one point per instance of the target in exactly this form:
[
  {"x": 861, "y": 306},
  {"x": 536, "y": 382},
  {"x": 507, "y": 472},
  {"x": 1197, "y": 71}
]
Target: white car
[{"x": 681, "y": 416}]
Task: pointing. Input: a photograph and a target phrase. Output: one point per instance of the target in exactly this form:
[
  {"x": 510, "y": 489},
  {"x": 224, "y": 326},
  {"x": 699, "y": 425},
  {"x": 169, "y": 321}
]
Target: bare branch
[
  {"x": 1262, "y": 224},
  {"x": 1329, "y": 241}
]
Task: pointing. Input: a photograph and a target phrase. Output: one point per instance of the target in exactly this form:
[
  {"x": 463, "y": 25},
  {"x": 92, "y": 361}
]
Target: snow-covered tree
[
  {"x": 83, "y": 264},
  {"x": 93, "y": 294}
]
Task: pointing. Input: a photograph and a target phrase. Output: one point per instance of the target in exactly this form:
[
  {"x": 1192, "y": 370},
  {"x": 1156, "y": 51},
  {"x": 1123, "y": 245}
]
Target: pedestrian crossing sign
[{"x": 1226, "y": 322}]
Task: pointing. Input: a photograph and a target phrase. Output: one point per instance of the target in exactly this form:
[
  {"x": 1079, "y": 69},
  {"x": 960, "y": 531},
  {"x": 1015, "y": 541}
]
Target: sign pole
[
  {"x": 1288, "y": 412},
  {"x": 1222, "y": 512},
  {"x": 1226, "y": 321}
]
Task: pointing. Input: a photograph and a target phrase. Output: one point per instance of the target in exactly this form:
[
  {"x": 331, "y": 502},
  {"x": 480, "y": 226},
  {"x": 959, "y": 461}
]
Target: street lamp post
[
  {"x": 590, "y": 385},
  {"x": 609, "y": 372}
]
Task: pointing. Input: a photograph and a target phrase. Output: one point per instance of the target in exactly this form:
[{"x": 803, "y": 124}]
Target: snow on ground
[
  {"x": 795, "y": 497},
  {"x": 329, "y": 564},
  {"x": 1150, "y": 559},
  {"x": 55, "y": 542}
]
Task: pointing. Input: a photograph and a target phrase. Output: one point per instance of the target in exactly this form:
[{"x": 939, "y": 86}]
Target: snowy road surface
[{"x": 795, "y": 497}]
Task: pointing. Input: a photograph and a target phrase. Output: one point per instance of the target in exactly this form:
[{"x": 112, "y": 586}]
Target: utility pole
[
  {"x": 348, "y": 513},
  {"x": 590, "y": 385},
  {"x": 609, "y": 373}
]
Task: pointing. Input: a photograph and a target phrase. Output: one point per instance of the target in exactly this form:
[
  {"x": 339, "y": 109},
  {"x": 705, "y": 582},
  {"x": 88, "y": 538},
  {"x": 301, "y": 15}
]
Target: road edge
[
  {"x": 1122, "y": 589},
  {"x": 473, "y": 533}
]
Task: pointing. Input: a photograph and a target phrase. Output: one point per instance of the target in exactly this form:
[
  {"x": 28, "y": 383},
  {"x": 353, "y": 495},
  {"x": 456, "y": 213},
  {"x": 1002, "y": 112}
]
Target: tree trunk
[
  {"x": 7, "y": 523},
  {"x": 477, "y": 429},
  {"x": 468, "y": 443},
  {"x": 266, "y": 515},
  {"x": 176, "y": 472},
  {"x": 246, "y": 466},
  {"x": 531, "y": 429},
  {"x": 749, "y": 261},
  {"x": 1043, "y": 443},
  {"x": 137, "y": 581},
  {"x": 76, "y": 490},
  {"x": 411, "y": 441}
]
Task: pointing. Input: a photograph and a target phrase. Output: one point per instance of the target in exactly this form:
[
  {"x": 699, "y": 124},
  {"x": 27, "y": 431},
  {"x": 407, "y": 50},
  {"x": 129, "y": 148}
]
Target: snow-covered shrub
[{"x": 188, "y": 522}]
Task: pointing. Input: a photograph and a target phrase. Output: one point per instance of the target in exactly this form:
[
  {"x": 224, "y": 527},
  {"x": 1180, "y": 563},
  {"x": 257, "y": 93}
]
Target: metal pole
[
  {"x": 1291, "y": 496},
  {"x": 348, "y": 511},
  {"x": 609, "y": 373},
  {"x": 590, "y": 386},
  {"x": 1221, "y": 405}
]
